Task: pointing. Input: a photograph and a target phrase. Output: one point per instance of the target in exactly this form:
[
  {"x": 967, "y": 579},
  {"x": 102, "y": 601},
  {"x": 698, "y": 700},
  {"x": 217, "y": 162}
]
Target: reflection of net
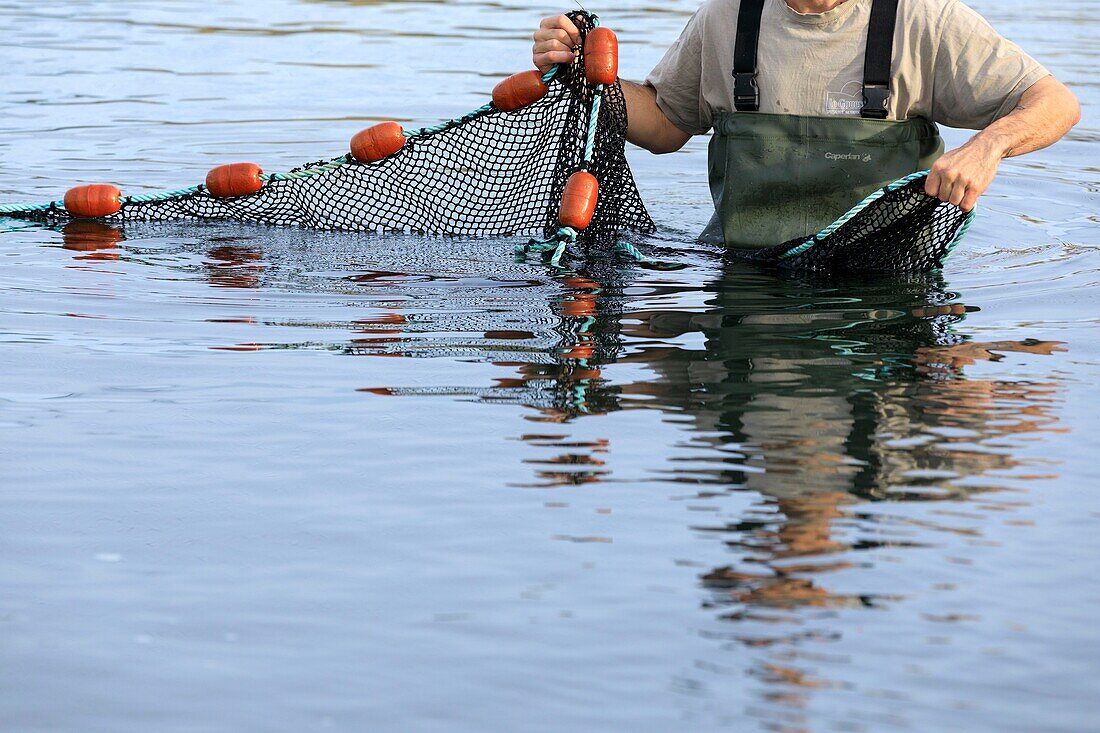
[
  {"x": 489, "y": 173},
  {"x": 899, "y": 229}
]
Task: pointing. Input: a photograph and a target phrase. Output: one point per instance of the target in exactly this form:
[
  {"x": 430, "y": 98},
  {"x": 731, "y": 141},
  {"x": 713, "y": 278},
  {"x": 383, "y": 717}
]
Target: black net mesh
[
  {"x": 490, "y": 173},
  {"x": 904, "y": 230}
]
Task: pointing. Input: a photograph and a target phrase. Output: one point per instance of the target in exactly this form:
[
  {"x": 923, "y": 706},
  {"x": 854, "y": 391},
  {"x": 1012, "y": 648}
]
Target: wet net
[
  {"x": 503, "y": 172},
  {"x": 897, "y": 229},
  {"x": 487, "y": 173}
]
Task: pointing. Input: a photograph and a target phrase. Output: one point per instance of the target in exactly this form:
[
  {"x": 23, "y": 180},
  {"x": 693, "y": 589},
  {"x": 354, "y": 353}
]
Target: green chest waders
[{"x": 778, "y": 177}]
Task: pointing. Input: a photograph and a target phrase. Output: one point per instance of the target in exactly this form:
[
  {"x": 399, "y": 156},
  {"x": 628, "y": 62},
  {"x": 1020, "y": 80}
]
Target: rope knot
[{"x": 555, "y": 245}]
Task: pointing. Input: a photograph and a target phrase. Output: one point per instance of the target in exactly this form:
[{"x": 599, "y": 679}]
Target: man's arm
[
  {"x": 1046, "y": 112},
  {"x": 647, "y": 125}
]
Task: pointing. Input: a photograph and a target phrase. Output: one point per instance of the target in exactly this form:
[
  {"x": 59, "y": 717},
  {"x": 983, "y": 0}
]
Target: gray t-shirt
[{"x": 949, "y": 65}]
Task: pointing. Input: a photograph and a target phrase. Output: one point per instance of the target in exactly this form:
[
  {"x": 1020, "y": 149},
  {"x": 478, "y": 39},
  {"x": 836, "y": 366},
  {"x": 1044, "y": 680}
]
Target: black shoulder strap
[
  {"x": 876, "y": 64},
  {"x": 746, "y": 94}
]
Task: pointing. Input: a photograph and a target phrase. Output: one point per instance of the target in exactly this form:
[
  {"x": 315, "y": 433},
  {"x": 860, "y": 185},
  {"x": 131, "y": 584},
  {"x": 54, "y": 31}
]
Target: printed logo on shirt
[
  {"x": 861, "y": 157},
  {"x": 848, "y": 101}
]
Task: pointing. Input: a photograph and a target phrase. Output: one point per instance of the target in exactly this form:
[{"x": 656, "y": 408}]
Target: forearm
[
  {"x": 1045, "y": 113},
  {"x": 647, "y": 125}
]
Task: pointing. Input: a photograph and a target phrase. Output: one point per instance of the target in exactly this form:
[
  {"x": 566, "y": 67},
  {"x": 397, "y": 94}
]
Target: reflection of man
[
  {"x": 832, "y": 396},
  {"x": 816, "y": 103},
  {"x": 818, "y": 402}
]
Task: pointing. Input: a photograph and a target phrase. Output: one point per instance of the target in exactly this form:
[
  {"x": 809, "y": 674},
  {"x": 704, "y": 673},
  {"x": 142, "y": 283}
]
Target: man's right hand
[
  {"x": 554, "y": 42},
  {"x": 647, "y": 126}
]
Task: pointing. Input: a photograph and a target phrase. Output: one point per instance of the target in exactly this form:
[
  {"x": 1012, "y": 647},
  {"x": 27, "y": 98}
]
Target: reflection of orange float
[
  {"x": 580, "y": 351},
  {"x": 88, "y": 236},
  {"x": 582, "y": 305},
  {"x": 232, "y": 255},
  {"x": 581, "y": 283},
  {"x": 370, "y": 325},
  {"x": 385, "y": 318},
  {"x": 239, "y": 347},
  {"x": 382, "y": 391}
]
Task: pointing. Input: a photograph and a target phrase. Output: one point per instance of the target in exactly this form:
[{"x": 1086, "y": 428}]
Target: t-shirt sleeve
[
  {"x": 979, "y": 75},
  {"x": 677, "y": 80}
]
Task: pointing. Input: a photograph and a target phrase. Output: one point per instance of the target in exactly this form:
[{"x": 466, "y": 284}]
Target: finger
[
  {"x": 553, "y": 46},
  {"x": 958, "y": 193},
  {"x": 970, "y": 200},
  {"x": 566, "y": 39},
  {"x": 562, "y": 22},
  {"x": 946, "y": 186},
  {"x": 553, "y": 34},
  {"x": 569, "y": 27},
  {"x": 545, "y": 60},
  {"x": 932, "y": 183}
]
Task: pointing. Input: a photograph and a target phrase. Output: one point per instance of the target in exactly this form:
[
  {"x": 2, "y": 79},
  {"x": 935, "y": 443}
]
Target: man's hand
[
  {"x": 554, "y": 42},
  {"x": 964, "y": 174},
  {"x": 647, "y": 125},
  {"x": 1046, "y": 112}
]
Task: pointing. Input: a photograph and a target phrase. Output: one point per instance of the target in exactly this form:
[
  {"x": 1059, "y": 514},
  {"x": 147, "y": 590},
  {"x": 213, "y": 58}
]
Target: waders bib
[{"x": 779, "y": 177}]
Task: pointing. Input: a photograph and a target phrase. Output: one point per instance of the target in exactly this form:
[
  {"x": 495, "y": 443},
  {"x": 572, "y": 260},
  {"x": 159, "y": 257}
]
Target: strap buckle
[
  {"x": 746, "y": 93},
  {"x": 876, "y": 100}
]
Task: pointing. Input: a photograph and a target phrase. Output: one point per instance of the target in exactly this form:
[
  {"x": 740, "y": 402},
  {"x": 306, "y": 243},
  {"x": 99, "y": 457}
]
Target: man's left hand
[
  {"x": 964, "y": 174},
  {"x": 1046, "y": 111}
]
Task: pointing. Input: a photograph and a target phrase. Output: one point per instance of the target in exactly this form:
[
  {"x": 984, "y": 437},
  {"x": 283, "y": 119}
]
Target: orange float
[
  {"x": 377, "y": 142},
  {"x": 234, "y": 179},
  {"x": 578, "y": 201},
  {"x": 519, "y": 90},
  {"x": 601, "y": 57},
  {"x": 93, "y": 201}
]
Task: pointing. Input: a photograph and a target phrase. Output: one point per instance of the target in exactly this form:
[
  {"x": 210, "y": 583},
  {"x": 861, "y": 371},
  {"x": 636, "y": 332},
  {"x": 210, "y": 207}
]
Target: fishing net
[
  {"x": 896, "y": 229},
  {"x": 504, "y": 173},
  {"x": 487, "y": 173}
]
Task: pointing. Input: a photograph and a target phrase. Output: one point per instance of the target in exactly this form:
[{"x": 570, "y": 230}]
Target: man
[{"x": 816, "y": 103}]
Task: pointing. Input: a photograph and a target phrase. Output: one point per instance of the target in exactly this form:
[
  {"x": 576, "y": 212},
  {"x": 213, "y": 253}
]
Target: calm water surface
[{"x": 260, "y": 480}]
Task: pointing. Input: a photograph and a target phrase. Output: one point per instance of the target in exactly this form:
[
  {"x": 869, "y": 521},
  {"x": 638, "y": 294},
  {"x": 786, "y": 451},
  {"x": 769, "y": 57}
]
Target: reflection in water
[
  {"x": 828, "y": 473},
  {"x": 576, "y": 465},
  {"x": 819, "y": 397},
  {"x": 92, "y": 238},
  {"x": 234, "y": 265}
]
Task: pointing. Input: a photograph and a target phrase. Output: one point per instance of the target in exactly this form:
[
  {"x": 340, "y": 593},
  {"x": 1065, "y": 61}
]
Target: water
[{"x": 259, "y": 480}]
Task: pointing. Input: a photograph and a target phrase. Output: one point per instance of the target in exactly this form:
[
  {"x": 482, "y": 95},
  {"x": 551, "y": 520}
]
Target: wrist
[{"x": 991, "y": 144}]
